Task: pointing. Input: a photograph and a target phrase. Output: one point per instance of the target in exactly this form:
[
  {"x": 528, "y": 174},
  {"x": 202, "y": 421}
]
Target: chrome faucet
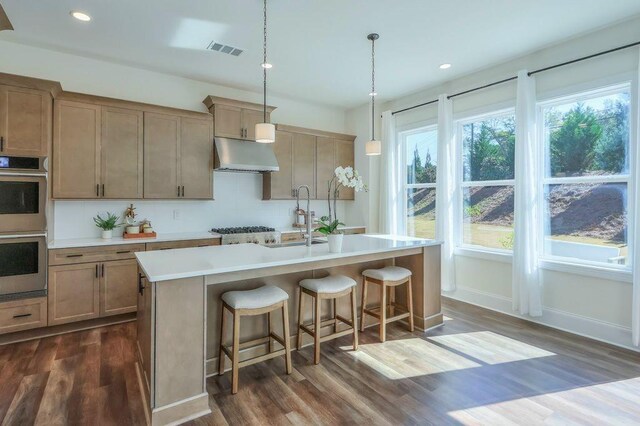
[{"x": 307, "y": 214}]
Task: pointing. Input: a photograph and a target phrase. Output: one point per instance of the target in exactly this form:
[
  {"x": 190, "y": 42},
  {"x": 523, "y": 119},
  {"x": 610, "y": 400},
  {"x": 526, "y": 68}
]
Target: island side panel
[
  {"x": 426, "y": 286},
  {"x": 179, "y": 349}
]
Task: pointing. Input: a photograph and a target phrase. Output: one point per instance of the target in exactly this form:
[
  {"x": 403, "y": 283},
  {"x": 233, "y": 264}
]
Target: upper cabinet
[
  {"x": 106, "y": 148},
  {"x": 235, "y": 119},
  {"x": 25, "y": 115},
  {"x": 307, "y": 157}
]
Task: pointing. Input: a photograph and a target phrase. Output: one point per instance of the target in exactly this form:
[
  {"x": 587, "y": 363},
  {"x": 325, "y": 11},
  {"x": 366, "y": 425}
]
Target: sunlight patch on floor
[
  {"x": 489, "y": 347},
  {"x": 605, "y": 403},
  {"x": 400, "y": 359}
]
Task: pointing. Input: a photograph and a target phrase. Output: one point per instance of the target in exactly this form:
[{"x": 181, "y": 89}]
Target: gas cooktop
[
  {"x": 248, "y": 234},
  {"x": 242, "y": 230}
]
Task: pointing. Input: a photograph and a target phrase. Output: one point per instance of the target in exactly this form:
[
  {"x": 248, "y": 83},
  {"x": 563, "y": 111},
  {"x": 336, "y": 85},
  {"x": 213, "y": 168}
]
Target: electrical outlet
[{"x": 176, "y": 214}]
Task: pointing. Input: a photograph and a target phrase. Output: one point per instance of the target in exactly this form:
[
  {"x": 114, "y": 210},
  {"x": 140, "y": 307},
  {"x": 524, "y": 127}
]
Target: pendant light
[
  {"x": 265, "y": 131},
  {"x": 373, "y": 146}
]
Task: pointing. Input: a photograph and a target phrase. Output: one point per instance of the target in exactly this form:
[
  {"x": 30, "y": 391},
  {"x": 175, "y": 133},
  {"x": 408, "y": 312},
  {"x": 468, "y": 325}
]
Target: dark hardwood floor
[{"x": 480, "y": 368}]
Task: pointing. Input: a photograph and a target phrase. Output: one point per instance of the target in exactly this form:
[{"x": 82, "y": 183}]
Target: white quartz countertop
[
  {"x": 291, "y": 229},
  {"x": 92, "y": 242},
  {"x": 192, "y": 262}
]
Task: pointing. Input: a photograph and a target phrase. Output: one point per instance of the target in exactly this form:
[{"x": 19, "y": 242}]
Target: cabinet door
[
  {"x": 144, "y": 325},
  {"x": 161, "y": 142},
  {"x": 249, "y": 120},
  {"x": 76, "y": 150},
  {"x": 121, "y": 153},
  {"x": 344, "y": 158},
  {"x": 228, "y": 121},
  {"x": 281, "y": 182},
  {"x": 73, "y": 293},
  {"x": 118, "y": 287},
  {"x": 196, "y": 158},
  {"x": 304, "y": 162},
  {"x": 325, "y": 165},
  {"x": 25, "y": 121}
]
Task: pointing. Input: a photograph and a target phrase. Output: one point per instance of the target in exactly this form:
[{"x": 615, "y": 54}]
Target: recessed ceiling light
[
  {"x": 80, "y": 16},
  {"x": 267, "y": 65},
  {"x": 445, "y": 66}
]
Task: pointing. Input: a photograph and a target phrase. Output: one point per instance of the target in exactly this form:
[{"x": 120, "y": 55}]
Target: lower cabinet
[
  {"x": 23, "y": 314},
  {"x": 91, "y": 290}
]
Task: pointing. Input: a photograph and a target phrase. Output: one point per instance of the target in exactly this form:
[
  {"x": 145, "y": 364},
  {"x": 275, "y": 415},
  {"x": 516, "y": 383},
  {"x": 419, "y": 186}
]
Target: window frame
[
  {"x": 460, "y": 246},
  {"x": 402, "y": 136},
  {"x": 560, "y": 263}
]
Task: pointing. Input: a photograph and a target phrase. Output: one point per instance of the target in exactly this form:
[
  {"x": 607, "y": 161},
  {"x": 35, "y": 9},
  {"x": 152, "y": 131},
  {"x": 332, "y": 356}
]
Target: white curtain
[
  {"x": 635, "y": 255},
  {"x": 390, "y": 207},
  {"x": 527, "y": 294},
  {"x": 445, "y": 192}
]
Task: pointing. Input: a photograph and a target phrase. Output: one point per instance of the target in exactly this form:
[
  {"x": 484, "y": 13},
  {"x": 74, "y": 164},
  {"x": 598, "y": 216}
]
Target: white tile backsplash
[{"x": 238, "y": 202}]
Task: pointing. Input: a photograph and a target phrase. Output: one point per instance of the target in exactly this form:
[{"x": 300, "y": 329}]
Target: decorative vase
[
  {"x": 107, "y": 234},
  {"x": 335, "y": 243}
]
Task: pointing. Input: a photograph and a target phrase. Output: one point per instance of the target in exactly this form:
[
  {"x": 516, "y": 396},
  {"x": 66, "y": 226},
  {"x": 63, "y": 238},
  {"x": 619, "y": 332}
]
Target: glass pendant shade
[
  {"x": 373, "y": 147},
  {"x": 265, "y": 133}
]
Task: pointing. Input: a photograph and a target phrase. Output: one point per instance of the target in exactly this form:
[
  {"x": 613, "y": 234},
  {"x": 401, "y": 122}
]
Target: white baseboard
[{"x": 603, "y": 331}]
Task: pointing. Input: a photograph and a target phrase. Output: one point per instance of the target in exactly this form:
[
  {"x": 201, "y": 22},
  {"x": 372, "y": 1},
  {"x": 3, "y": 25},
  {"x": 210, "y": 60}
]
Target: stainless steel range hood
[{"x": 234, "y": 155}]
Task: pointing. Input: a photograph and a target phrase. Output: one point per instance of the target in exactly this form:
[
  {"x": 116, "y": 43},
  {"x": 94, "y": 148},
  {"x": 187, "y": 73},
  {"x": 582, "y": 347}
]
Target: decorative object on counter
[
  {"x": 265, "y": 131},
  {"x": 347, "y": 177},
  {"x": 373, "y": 146},
  {"x": 130, "y": 214},
  {"x": 330, "y": 229},
  {"x": 147, "y": 228},
  {"x": 107, "y": 224}
]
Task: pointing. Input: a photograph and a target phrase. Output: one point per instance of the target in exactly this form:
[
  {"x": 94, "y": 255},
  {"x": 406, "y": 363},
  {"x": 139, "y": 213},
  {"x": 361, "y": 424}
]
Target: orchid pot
[{"x": 335, "y": 242}]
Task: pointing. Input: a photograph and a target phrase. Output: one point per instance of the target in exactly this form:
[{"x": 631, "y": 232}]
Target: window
[
  {"x": 420, "y": 150},
  {"x": 586, "y": 177},
  {"x": 488, "y": 148}
]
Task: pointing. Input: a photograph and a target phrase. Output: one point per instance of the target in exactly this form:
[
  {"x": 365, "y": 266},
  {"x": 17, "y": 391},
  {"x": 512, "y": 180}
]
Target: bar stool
[
  {"x": 388, "y": 277},
  {"x": 331, "y": 287},
  {"x": 263, "y": 300}
]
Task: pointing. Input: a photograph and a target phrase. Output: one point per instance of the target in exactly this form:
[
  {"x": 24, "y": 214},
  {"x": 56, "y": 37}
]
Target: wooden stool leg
[
  {"x": 335, "y": 314},
  {"x": 269, "y": 346},
  {"x": 383, "y": 312},
  {"x": 392, "y": 299},
  {"x": 364, "y": 302},
  {"x": 236, "y": 353},
  {"x": 316, "y": 338},
  {"x": 300, "y": 320},
  {"x": 285, "y": 328},
  {"x": 354, "y": 318},
  {"x": 221, "y": 355},
  {"x": 410, "y": 304}
]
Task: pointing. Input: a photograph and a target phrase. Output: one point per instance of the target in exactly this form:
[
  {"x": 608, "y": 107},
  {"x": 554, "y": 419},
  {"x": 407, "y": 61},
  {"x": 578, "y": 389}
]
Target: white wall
[
  {"x": 237, "y": 196},
  {"x": 595, "y": 305}
]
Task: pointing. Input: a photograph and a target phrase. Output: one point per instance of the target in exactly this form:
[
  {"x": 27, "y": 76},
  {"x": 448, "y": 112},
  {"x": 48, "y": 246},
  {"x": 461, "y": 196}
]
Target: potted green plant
[
  {"x": 342, "y": 177},
  {"x": 107, "y": 224}
]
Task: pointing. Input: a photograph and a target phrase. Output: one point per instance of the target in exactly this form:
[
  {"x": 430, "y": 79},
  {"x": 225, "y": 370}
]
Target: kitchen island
[{"x": 179, "y": 304}]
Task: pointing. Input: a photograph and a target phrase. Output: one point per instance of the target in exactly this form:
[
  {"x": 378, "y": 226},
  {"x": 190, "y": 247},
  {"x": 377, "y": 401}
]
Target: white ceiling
[{"x": 318, "y": 47}]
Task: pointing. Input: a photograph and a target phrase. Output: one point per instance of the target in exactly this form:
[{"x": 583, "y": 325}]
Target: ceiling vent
[{"x": 223, "y": 48}]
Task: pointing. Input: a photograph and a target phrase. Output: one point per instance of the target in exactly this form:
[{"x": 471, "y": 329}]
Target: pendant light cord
[
  {"x": 373, "y": 88},
  {"x": 264, "y": 63}
]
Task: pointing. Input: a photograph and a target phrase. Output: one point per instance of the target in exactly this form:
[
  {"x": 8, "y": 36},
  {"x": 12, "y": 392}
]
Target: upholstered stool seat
[
  {"x": 263, "y": 300},
  {"x": 255, "y": 299},
  {"x": 331, "y": 287},
  {"x": 388, "y": 278},
  {"x": 388, "y": 273},
  {"x": 328, "y": 285}
]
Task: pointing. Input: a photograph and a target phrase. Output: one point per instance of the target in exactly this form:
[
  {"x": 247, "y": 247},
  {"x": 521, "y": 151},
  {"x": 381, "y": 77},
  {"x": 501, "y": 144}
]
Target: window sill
[
  {"x": 604, "y": 272},
  {"x": 493, "y": 255}
]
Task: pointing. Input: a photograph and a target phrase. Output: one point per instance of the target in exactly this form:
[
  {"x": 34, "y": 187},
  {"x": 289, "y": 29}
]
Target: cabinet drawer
[
  {"x": 23, "y": 314},
  {"x": 93, "y": 254},
  {"x": 168, "y": 245}
]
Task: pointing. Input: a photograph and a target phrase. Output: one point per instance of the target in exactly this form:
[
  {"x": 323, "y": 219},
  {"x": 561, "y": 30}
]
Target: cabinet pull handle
[
  {"x": 97, "y": 271},
  {"x": 140, "y": 286},
  {"x": 97, "y": 189},
  {"x": 1, "y": 143},
  {"x": 178, "y": 190},
  {"x": 182, "y": 190},
  {"x": 103, "y": 189},
  {"x": 75, "y": 255},
  {"x": 102, "y": 271},
  {"x": 22, "y": 315},
  {"x": 123, "y": 252}
]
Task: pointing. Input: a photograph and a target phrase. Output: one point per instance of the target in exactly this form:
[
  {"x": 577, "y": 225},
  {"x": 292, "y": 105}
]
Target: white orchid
[{"x": 347, "y": 177}]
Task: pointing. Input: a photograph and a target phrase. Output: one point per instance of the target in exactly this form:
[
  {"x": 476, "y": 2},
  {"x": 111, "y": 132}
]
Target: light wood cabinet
[
  {"x": 121, "y": 153},
  {"x": 118, "y": 287},
  {"x": 23, "y": 314},
  {"x": 178, "y": 160},
  {"x": 304, "y": 160},
  {"x": 325, "y": 164},
  {"x": 279, "y": 186},
  {"x": 169, "y": 245},
  {"x": 76, "y": 150},
  {"x": 144, "y": 319},
  {"x": 25, "y": 121},
  {"x": 344, "y": 157},
  {"x": 74, "y": 293},
  {"x": 235, "y": 119}
]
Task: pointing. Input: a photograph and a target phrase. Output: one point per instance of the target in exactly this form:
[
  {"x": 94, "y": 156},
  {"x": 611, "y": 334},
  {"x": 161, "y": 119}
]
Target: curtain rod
[{"x": 562, "y": 64}]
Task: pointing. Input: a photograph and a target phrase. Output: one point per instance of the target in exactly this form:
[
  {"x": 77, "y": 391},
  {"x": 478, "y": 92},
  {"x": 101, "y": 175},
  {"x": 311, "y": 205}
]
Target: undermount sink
[{"x": 297, "y": 243}]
